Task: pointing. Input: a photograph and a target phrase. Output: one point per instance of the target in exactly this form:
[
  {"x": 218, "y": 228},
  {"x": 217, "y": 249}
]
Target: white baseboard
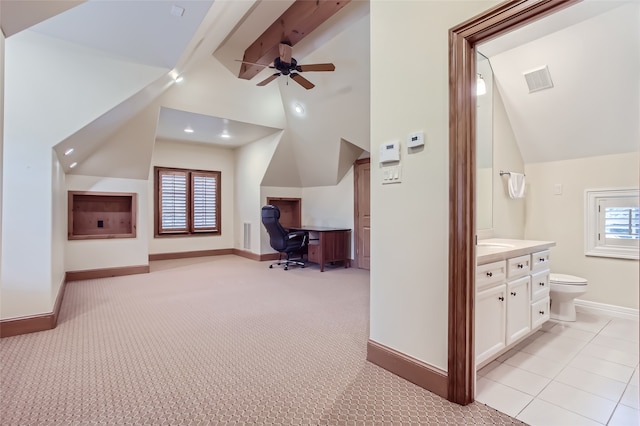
[{"x": 605, "y": 309}]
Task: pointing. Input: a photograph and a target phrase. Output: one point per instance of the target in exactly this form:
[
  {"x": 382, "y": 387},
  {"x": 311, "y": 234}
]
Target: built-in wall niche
[
  {"x": 101, "y": 215},
  {"x": 290, "y": 211}
]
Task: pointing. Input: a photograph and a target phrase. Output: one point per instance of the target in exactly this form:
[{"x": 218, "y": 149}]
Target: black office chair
[{"x": 287, "y": 243}]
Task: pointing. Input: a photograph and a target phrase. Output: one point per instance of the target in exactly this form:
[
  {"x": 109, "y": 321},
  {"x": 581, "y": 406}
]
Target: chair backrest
[{"x": 271, "y": 221}]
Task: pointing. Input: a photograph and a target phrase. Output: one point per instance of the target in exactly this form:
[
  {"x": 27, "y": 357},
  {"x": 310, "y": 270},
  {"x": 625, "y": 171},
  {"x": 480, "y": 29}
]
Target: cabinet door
[
  {"x": 518, "y": 309},
  {"x": 490, "y": 322}
]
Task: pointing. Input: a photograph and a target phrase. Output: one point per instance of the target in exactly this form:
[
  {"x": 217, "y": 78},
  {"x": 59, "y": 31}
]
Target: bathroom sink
[{"x": 495, "y": 245}]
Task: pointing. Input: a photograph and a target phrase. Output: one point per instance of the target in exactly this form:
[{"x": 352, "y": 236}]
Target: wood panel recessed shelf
[
  {"x": 290, "y": 210},
  {"x": 101, "y": 215}
]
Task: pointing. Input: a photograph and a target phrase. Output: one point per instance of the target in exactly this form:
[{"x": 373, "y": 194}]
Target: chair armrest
[{"x": 296, "y": 234}]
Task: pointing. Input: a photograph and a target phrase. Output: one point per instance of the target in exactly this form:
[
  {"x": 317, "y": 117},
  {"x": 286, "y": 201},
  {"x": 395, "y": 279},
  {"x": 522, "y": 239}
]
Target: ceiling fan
[{"x": 287, "y": 65}]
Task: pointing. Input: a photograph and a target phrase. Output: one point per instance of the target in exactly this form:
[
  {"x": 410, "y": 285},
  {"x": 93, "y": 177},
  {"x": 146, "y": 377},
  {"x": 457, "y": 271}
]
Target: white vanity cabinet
[{"x": 512, "y": 295}]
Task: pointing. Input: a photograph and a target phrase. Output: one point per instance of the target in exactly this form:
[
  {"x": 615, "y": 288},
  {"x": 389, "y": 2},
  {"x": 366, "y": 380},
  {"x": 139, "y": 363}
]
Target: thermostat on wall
[
  {"x": 415, "y": 139},
  {"x": 390, "y": 151}
]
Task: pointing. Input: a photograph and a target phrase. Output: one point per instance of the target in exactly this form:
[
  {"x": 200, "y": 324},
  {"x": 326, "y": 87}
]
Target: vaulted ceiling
[
  {"x": 117, "y": 61},
  {"x": 99, "y": 75}
]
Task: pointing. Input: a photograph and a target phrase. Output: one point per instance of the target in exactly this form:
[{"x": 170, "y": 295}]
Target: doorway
[{"x": 463, "y": 39}]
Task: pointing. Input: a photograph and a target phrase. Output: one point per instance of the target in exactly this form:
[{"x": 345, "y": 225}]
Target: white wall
[
  {"x": 330, "y": 205},
  {"x": 560, "y": 218},
  {"x": 410, "y": 220},
  {"x": 1, "y": 139},
  {"x": 113, "y": 252},
  {"x": 251, "y": 164},
  {"x": 59, "y": 219},
  {"x": 508, "y": 213},
  {"x": 52, "y": 88},
  {"x": 194, "y": 156}
]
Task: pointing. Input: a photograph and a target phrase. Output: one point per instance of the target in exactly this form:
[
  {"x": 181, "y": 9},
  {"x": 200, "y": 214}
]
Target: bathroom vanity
[{"x": 512, "y": 293}]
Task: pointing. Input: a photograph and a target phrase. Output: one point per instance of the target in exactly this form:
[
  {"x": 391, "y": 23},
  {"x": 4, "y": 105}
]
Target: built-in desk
[{"x": 327, "y": 244}]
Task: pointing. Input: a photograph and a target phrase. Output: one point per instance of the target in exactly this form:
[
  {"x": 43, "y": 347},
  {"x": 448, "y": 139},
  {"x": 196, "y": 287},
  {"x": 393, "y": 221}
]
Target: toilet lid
[{"x": 566, "y": 279}]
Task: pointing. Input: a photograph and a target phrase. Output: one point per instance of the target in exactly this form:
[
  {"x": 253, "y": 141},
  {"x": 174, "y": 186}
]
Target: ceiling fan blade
[
  {"x": 302, "y": 81},
  {"x": 253, "y": 63},
  {"x": 316, "y": 67},
  {"x": 269, "y": 79},
  {"x": 285, "y": 53}
]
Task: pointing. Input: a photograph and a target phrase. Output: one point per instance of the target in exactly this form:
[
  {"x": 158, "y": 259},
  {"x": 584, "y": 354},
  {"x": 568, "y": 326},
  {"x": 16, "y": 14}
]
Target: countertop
[{"x": 495, "y": 249}]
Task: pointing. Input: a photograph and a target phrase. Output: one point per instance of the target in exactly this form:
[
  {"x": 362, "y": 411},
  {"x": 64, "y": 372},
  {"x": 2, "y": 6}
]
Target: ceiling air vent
[{"x": 538, "y": 79}]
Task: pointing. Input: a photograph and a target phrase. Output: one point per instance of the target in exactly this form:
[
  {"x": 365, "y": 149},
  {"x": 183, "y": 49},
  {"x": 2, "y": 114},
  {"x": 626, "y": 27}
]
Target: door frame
[{"x": 463, "y": 39}]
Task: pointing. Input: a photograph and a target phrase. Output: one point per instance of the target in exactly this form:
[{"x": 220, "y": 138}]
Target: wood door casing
[
  {"x": 463, "y": 38},
  {"x": 362, "y": 190}
]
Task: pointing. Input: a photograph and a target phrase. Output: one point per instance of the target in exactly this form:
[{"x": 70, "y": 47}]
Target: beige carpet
[{"x": 221, "y": 340}]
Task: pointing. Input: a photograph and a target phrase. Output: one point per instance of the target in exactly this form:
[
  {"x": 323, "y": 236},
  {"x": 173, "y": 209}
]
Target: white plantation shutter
[
  {"x": 204, "y": 201},
  {"x": 173, "y": 201},
  {"x": 188, "y": 201},
  {"x": 618, "y": 221},
  {"x": 612, "y": 223}
]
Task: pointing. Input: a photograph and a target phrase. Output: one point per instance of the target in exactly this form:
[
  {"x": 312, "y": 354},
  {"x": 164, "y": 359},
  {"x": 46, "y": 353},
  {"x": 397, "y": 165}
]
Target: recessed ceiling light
[
  {"x": 225, "y": 135},
  {"x": 188, "y": 129},
  {"x": 298, "y": 109},
  {"x": 179, "y": 79},
  {"x": 72, "y": 165},
  {"x": 69, "y": 151}
]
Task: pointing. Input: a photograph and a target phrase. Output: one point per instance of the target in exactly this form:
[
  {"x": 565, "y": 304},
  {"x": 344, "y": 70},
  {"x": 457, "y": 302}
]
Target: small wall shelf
[{"x": 101, "y": 215}]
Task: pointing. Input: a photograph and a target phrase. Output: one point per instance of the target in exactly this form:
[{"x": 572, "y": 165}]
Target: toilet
[{"x": 564, "y": 289}]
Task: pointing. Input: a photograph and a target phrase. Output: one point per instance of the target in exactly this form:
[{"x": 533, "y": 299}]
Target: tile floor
[{"x": 568, "y": 373}]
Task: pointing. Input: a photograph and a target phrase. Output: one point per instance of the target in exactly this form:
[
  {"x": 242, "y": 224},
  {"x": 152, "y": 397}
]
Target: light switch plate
[{"x": 391, "y": 174}]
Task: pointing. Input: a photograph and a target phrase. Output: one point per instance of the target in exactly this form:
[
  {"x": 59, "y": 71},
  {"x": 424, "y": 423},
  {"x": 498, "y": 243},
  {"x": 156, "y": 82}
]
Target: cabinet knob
[
  {"x": 520, "y": 266},
  {"x": 541, "y": 312},
  {"x": 542, "y": 259},
  {"x": 513, "y": 293},
  {"x": 542, "y": 284},
  {"x": 489, "y": 274},
  {"x": 501, "y": 298}
]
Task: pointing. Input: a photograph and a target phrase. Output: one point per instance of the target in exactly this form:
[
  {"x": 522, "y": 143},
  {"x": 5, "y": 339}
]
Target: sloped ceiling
[
  {"x": 119, "y": 137},
  {"x": 592, "y": 51},
  {"x": 204, "y": 48}
]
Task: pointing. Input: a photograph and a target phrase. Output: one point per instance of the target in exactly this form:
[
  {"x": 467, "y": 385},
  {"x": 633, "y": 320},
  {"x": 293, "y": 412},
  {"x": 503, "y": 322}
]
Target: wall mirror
[{"x": 484, "y": 143}]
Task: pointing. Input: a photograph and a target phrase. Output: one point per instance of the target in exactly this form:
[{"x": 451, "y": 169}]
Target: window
[
  {"x": 612, "y": 223},
  {"x": 187, "y": 201}
]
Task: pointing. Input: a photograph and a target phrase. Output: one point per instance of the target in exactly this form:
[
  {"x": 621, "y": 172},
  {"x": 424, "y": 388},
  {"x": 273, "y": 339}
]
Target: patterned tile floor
[{"x": 569, "y": 373}]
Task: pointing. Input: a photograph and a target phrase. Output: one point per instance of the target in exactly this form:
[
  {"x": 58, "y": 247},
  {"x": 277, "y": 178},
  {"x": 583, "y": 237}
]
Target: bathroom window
[{"x": 612, "y": 223}]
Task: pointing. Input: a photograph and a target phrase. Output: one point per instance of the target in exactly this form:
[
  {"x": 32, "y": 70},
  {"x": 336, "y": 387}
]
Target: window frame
[
  {"x": 190, "y": 229},
  {"x": 598, "y": 247}
]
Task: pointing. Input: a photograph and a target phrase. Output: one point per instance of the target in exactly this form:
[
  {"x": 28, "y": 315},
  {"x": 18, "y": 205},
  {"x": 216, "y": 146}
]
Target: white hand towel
[{"x": 516, "y": 185}]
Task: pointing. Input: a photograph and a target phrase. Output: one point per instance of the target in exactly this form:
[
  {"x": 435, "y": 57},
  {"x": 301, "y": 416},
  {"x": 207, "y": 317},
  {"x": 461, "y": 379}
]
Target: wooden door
[{"x": 362, "y": 174}]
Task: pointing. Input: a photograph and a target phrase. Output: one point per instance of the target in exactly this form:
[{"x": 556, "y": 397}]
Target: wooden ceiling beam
[{"x": 292, "y": 26}]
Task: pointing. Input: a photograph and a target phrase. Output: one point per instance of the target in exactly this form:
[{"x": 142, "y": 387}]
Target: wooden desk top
[{"x": 318, "y": 229}]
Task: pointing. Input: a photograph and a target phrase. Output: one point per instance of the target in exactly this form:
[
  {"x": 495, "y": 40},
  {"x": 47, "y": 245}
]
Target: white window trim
[{"x": 591, "y": 245}]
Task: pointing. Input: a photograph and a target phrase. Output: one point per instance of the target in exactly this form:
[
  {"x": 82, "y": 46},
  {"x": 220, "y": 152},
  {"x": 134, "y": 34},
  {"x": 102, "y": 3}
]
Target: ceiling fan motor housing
[{"x": 284, "y": 67}]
